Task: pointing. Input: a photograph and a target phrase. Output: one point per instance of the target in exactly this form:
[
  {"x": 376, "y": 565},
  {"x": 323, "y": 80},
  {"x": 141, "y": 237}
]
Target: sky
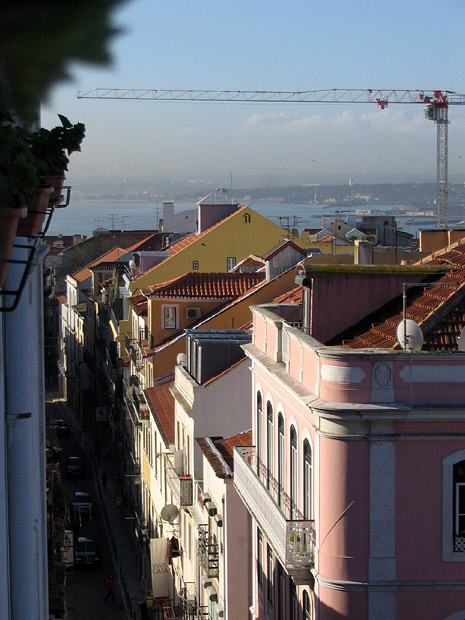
[{"x": 269, "y": 45}]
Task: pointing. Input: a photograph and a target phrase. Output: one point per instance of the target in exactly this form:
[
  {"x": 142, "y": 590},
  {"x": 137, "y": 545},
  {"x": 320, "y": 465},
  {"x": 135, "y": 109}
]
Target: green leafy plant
[
  {"x": 53, "y": 147},
  {"x": 19, "y": 169}
]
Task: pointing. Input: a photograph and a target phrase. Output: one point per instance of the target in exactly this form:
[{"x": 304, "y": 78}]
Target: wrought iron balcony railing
[
  {"x": 208, "y": 552},
  {"x": 291, "y": 536}
]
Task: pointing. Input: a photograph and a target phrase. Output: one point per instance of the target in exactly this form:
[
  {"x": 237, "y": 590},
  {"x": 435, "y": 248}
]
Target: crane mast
[{"x": 436, "y": 104}]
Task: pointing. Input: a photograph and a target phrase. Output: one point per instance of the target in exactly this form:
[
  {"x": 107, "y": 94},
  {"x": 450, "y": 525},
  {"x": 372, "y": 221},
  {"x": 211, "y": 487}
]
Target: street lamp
[{"x": 149, "y": 600}]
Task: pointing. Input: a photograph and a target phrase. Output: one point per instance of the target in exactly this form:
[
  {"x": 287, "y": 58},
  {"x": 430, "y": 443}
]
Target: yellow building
[{"x": 226, "y": 235}]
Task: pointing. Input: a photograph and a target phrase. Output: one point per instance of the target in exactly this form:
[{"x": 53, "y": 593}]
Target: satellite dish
[
  {"x": 461, "y": 340},
  {"x": 412, "y": 340},
  {"x": 169, "y": 513},
  {"x": 132, "y": 265}
]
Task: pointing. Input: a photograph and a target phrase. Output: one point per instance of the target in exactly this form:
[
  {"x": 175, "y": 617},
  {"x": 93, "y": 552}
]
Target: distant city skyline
[{"x": 269, "y": 46}]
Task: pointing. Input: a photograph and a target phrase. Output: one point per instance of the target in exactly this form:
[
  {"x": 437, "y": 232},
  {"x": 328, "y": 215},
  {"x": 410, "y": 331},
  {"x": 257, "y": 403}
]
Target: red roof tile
[
  {"x": 112, "y": 256},
  {"x": 439, "y": 310},
  {"x": 207, "y": 285},
  {"x": 290, "y": 297},
  {"x": 161, "y": 402},
  {"x": 219, "y": 452}
]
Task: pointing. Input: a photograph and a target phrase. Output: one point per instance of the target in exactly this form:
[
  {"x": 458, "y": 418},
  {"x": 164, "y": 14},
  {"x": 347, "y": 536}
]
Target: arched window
[
  {"x": 259, "y": 431},
  {"x": 281, "y": 458},
  {"x": 306, "y": 606},
  {"x": 459, "y": 505},
  {"x": 293, "y": 472},
  {"x": 453, "y": 507},
  {"x": 308, "y": 480},
  {"x": 269, "y": 444}
]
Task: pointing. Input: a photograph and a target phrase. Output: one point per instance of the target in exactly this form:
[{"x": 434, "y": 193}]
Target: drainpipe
[{"x": 25, "y": 443}]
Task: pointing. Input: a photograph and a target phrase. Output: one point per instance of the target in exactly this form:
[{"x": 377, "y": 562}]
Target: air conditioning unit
[{"x": 193, "y": 313}]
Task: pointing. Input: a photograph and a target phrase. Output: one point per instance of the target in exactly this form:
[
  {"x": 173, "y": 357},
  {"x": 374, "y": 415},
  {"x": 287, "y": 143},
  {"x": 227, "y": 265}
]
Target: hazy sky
[{"x": 270, "y": 45}]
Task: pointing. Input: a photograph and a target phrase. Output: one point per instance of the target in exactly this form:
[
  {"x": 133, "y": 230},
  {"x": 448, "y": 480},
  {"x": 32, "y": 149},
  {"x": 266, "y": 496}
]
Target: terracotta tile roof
[
  {"x": 290, "y": 297},
  {"x": 139, "y": 303},
  {"x": 183, "y": 243},
  {"x": 112, "y": 256},
  {"x": 219, "y": 452},
  {"x": 327, "y": 239},
  {"x": 207, "y": 285},
  {"x": 241, "y": 439},
  {"x": 439, "y": 310},
  {"x": 161, "y": 403}
]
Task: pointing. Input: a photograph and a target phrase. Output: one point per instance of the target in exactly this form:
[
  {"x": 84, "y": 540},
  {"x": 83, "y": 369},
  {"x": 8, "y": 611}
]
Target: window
[
  {"x": 247, "y": 218},
  {"x": 259, "y": 430},
  {"x": 281, "y": 458},
  {"x": 306, "y": 606},
  {"x": 453, "y": 507},
  {"x": 281, "y": 592},
  {"x": 170, "y": 317},
  {"x": 307, "y": 480},
  {"x": 195, "y": 265},
  {"x": 259, "y": 558},
  {"x": 293, "y": 602},
  {"x": 269, "y": 444},
  {"x": 459, "y": 506},
  {"x": 230, "y": 263},
  {"x": 269, "y": 575},
  {"x": 293, "y": 467}
]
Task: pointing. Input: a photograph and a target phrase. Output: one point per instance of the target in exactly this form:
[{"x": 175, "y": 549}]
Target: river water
[{"x": 83, "y": 217}]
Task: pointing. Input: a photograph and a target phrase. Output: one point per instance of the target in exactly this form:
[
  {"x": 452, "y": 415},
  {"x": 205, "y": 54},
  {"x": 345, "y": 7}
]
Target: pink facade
[{"x": 365, "y": 447}]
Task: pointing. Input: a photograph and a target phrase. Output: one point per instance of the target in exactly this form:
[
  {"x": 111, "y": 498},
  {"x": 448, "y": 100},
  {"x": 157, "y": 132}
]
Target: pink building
[{"x": 356, "y": 478}]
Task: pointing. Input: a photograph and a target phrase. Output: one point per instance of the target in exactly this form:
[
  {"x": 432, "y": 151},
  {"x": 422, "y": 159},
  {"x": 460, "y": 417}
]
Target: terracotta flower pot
[
  {"x": 36, "y": 213},
  {"x": 57, "y": 182},
  {"x": 9, "y": 221}
]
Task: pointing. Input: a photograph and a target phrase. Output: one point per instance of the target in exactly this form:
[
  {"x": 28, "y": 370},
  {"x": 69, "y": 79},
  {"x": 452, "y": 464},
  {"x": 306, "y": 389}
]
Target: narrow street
[{"x": 85, "y": 589}]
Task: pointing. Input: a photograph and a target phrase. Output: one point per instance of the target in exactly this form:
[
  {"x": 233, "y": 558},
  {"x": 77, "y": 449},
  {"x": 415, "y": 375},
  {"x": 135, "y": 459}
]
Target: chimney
[{"x": 363, "y": 253}]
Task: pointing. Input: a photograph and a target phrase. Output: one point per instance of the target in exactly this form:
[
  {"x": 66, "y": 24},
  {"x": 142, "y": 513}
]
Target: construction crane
[{"x": 435, "y": 102}]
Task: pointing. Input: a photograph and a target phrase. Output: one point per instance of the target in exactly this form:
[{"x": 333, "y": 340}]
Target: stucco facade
[{"x": 362, "y": 450}]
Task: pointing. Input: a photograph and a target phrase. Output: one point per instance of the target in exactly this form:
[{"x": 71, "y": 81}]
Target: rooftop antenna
[{"x": 112, "y": 219}]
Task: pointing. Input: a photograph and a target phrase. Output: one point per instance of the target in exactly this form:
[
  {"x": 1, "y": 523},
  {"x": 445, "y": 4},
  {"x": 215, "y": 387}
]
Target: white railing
[
  {"x": 181, "y": 485},
  {"x": 293, "y": 540}
]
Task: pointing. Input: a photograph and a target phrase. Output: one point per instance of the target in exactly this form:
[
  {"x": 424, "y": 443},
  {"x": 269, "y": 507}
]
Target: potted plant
[
  {"x": 52, "y": 149},
  {"x": 19, "y": 177}
]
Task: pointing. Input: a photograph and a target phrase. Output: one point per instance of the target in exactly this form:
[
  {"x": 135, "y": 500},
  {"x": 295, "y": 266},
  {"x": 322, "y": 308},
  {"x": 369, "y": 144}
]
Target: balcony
[
  {"x": 291, "y": 536},
  {"x": 181, "y": 485},
  {"x": 208, "y": 552},
  {"x": 134, "y": 350}
]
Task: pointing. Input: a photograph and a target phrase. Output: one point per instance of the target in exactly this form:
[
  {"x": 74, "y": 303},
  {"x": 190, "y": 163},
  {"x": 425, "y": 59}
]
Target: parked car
[
  {"x": 75, "y": 467},
  {"x": 87, "y": 552},
  {"x": 62, "y": 429},
  {"x": 82, "y": 504}
]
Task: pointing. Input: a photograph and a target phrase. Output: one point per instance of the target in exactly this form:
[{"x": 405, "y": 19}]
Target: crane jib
[
  {"x": 436, "y": 104},
  {"x": 381, "y": 97}
]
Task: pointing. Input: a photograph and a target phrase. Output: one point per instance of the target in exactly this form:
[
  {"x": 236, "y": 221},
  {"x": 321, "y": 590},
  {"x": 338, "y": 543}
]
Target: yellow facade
[
  {"x": 234, "y": 316},
  {"x": 243, "y": 233}
]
